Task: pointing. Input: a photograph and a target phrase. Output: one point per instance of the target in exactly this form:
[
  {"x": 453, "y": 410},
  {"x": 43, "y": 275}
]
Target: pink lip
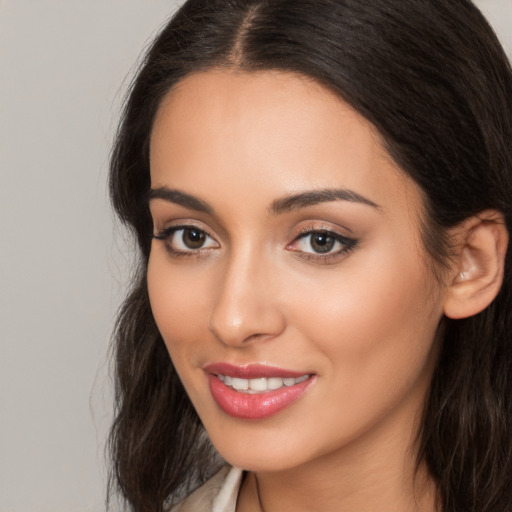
[{"x": 254, "y": 406}]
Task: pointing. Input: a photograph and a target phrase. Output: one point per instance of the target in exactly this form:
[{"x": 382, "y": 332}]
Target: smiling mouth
[
  {"x": 260, "y": 384},
  {"x": 256, "y": 391}
]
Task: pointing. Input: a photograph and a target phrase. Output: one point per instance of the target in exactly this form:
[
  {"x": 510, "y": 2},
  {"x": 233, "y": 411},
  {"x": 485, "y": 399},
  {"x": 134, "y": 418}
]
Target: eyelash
[
  {"x": 348, "y": 244},
  {"x": 166, "y": 235}
]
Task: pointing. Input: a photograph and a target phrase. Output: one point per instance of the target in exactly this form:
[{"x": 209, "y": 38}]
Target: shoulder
[{"x": 218, "y": 494}]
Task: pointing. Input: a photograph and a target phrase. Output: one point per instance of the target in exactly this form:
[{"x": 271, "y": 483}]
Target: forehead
[
  {"x": 281, "y": 109},
  {"x": 270, "y": 130}
]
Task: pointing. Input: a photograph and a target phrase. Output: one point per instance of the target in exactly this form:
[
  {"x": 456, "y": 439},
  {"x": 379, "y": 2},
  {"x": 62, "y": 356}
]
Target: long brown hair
[{"x": 433, "y": 78}]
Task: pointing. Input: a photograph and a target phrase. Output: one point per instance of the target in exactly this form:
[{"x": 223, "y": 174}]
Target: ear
[{"x": 478, "y": 266}]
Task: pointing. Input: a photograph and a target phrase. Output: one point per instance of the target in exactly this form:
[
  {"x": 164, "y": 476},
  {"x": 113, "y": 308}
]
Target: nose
[{"x": 246, "y": 306}]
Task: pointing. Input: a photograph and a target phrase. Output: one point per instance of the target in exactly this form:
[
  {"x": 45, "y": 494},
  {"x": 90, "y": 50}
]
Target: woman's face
[{"x": 288, "y": 260}]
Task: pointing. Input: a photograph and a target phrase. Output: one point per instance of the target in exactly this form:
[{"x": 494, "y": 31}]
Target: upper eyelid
[
  {"x": 339, "y": 231},
  {"x": 181, "y": 224},
  {"x": 217, "y": 231},
  {"x": 337, "y": 236}
]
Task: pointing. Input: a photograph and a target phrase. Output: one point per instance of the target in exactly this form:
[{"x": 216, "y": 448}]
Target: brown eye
[
  {"x": 322, "y": 246},
  {"x": 186, "y": 240},
  {"x": 193, "y": 238},
  {"x": 322, "y": 242}
]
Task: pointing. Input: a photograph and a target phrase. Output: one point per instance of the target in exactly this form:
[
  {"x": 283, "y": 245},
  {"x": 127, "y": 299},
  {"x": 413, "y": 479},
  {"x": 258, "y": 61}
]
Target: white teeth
[
  {"x": 240, "y": 384},
  {"x": 275, "y": 383},
  {"x": 260, "y": 385}
]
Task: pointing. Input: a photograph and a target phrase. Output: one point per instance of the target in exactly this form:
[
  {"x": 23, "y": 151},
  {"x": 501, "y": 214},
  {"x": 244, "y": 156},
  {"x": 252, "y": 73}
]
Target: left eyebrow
[
  {"x": 181, "y": 198},
  {"x": 313, "y": 197}
]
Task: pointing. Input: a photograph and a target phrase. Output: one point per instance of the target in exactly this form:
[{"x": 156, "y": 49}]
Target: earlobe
[{"x": 478, "y": 266}]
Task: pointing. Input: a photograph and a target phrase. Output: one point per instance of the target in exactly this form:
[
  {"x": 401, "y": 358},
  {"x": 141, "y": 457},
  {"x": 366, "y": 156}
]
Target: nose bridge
[{"x": 245, "y": 308}]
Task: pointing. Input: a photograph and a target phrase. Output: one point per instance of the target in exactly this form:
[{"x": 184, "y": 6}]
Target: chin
[
  {"x": 259, "y": 461},
  {"x": 262, "y": 450}
]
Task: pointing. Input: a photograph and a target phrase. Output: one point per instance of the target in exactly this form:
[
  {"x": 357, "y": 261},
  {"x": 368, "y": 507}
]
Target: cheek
[
  {"x": 386, "y": 288},
  {"x": 375, "y": 324},
  {"x": 179, "y": 304}
]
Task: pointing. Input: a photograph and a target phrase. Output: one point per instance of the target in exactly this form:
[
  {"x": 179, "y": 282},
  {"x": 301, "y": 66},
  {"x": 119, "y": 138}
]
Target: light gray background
[{"x": 64, "y": 65}]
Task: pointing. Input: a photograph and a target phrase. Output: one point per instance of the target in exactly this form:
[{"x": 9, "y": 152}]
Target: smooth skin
[{"x": 341, "y": 289}]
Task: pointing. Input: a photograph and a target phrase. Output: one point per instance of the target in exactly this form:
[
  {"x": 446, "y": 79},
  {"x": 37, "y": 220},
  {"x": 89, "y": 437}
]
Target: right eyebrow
[
  {"x": 180, "y": 198},
  {"x": 313, "y": 197}
]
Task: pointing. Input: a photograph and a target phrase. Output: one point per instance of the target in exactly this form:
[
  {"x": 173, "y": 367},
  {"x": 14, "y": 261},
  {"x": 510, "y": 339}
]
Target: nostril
[{"x": 249, "y": 329}]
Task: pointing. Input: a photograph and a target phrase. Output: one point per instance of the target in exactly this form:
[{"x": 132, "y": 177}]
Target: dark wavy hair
[{"x": 434, "y": 80}]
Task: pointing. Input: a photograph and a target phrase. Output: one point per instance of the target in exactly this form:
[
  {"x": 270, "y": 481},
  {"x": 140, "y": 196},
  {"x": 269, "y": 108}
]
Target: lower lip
[{"x": 255, "y": 406}]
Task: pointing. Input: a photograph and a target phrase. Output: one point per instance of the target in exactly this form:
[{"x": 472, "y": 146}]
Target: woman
[{"x": 320, "y": 192}]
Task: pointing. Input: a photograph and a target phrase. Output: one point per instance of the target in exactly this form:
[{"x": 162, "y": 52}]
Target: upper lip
[{"x": 251, "y": 371}]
